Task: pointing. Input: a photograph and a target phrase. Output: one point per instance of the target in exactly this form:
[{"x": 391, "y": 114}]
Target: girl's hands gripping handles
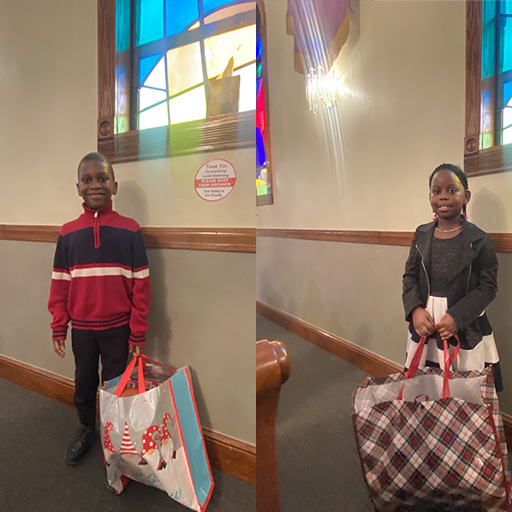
[
  {"x": 423, "y": 322},
  {"x": 446, "y": 327}
]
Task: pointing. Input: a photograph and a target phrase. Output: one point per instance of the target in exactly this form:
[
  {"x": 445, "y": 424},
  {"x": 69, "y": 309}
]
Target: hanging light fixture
[{"x": 321, "y": 88}]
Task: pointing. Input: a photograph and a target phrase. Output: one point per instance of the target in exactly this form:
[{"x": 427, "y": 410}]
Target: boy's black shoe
[{"x": 80, "y": 445}]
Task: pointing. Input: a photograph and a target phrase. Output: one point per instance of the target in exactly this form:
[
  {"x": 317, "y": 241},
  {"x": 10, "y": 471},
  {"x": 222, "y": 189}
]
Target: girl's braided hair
[{"x": 453, "y": 168}]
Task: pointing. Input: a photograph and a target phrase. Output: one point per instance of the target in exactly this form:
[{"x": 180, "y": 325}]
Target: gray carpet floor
[
  {"x": 34, "y": 434},
  {"x": 318, "y": 465}
]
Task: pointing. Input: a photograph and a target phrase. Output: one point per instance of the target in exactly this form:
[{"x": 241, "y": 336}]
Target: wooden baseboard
[
  {"x": 226, "y": 454},
  {"x": 367, "y": 361}
]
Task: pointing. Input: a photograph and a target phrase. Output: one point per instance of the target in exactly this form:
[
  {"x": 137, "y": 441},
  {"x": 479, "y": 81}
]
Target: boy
[{"x": 100, "y": 282}]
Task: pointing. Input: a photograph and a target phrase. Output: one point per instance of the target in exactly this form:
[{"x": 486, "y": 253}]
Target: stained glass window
[
  {"x": 496, "y": 77},
  {"x": 184, "y": 60},
  {"x": 263, "y": 174}
]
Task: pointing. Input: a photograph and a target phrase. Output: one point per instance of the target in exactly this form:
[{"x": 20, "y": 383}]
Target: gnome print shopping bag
[{"x": 151, "y": 433}]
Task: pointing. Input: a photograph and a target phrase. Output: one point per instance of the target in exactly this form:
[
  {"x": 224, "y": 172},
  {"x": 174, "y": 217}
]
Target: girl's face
[{"x": 447, "y": 195}]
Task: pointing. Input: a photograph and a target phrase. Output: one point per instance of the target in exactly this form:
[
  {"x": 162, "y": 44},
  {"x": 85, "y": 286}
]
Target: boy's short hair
[{"x": 97, "y": 157}]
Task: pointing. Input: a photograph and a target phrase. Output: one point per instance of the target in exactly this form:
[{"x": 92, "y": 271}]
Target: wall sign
[{"x": 215, "y": 180}]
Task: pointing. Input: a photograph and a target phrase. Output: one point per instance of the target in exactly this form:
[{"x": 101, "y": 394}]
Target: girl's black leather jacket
[{"x": 471, "y": 288}]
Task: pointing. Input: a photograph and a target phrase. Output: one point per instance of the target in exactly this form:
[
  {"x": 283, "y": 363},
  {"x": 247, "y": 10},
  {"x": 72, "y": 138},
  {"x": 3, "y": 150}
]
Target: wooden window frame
[
  {"x": 219, "y": 133},
  {"x": 267, "y": 198},
  {"x": 478, "y": 161}
]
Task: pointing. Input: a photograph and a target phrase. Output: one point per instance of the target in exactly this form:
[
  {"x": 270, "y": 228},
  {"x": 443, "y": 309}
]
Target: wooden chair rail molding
[
  {"x": 502, "y": 241},
  {"x": 367, "y": 361},
  {"x": 225, "y": 453},
  {"x": 201, "y": 239},
  {"x": 273, "y": 368}
]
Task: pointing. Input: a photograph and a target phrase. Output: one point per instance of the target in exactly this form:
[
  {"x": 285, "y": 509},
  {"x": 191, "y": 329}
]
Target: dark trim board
[
  {"x": 198, "y": 239},
  {"x": 226, "y": 454},
  {"x": 367, "y": 361},
  {"x": 502, "y": 241}
]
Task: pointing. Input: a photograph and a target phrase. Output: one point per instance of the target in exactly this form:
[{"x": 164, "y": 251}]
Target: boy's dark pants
[{"x": 88, "y": 346}]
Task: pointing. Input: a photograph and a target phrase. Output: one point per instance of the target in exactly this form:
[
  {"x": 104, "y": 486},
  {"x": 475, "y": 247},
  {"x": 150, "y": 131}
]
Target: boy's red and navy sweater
[{"x": 100, "y": 276}]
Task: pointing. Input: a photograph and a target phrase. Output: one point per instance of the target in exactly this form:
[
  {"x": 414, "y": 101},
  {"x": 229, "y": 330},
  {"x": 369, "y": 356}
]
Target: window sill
[
  {"x": 489, "y": 161},
  {"x": 220, "y": 133}
]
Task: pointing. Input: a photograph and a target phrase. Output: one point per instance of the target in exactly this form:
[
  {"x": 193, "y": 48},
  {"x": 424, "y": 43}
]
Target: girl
[{"x": 450, "y": 278}]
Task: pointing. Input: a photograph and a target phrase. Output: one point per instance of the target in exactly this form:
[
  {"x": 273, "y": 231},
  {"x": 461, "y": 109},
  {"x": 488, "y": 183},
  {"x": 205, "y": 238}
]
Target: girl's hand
[
  {"x": 447, "y": 327},
  {"x": 422, "y": 322}
]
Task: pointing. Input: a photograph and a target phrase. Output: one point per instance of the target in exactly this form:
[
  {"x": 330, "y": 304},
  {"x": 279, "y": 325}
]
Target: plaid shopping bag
[{"x": 432, "y": 436}]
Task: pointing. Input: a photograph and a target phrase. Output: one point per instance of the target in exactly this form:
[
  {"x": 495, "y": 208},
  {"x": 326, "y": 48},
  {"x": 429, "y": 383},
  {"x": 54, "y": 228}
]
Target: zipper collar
[
  {"x": 108, "y": 208},
  {"x": 96, "y": 216}
]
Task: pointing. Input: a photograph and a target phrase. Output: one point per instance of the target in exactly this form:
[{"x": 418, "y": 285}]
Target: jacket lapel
[
  {"x": 424, "y": 243},
  {"x": 467, "y": 253}
]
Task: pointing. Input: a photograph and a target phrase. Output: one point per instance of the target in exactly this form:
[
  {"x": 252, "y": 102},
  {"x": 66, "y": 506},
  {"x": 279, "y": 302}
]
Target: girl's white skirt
[{"x": 477, "y": 358}]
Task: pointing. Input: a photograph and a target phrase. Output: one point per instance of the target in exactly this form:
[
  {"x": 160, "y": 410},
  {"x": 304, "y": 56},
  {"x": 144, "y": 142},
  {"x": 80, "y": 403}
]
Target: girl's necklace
[{"x": 449, "y": 230}]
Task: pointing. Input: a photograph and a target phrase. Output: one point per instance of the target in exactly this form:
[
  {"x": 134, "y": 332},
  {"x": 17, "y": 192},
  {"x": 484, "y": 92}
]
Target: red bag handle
[
  {"x": 448, "y": 362},
  {"x": 140, "y": 373}
]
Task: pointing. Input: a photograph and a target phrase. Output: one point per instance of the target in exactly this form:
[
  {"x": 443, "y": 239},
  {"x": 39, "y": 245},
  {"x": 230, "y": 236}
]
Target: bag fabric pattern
[
  {"x": 153, "y": 436},
  {"x": 432, "y": 449}
]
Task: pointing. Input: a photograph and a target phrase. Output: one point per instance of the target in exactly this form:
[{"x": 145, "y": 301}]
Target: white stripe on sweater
[
  {"x": 61, "y": 276},
  {"x": 100, "y": 272}
]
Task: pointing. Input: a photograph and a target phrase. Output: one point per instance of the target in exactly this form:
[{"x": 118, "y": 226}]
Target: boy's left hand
[
  {"x": 136, "y": 350},
  {"x": 447, "y": 327}
]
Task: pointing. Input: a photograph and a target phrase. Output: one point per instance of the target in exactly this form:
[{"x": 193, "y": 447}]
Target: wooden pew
[{"x": 273, "y": 368}]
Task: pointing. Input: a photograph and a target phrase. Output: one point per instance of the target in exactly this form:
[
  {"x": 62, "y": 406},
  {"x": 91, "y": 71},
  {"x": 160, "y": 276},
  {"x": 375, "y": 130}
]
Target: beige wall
[
  {"x": 203, "y": 302},
  {"x": 365, "y": 165}
]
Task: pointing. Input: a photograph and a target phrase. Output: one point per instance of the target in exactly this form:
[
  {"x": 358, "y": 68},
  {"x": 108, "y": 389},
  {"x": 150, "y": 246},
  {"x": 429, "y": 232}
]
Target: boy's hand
[
  {"x": 447, "y": 327},
  {"x": 422, "y": 322},
  {"x": 59, "y": 347},
  {"x": 136, "y": 349}
]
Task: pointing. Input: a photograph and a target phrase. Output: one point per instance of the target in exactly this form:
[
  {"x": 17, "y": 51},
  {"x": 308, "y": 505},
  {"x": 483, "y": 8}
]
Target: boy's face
[{"x": 95, "y": 184}]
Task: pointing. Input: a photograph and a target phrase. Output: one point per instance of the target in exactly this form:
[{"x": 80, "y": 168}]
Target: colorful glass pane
[
  {"x": 507, "y": 112},
  {"x": 488, "y": 38},
  {"x": 123, "y": 13},
  {"x": 262, "y": 177},
  {"x": 146, "y": 64},
  {"x": 260, "y": 111},
  {"x": 157, "y": 116},
  {"x": 210, "y": 5},
  {"x": 259, "y": 47},
  {"x": 239, "y": 44},
  {"x": 486, "y": 117},
  {"x": 184, "y": 69},
  {"x": 189, "y": 106},
  {"x": 121, "y": 120},
  {"x": 149, "y": 97},
  {"x": 149, "y": 21},
  {"x": 156, "y": 78},
  {"x": 247, "y": 100},
  {"x": 227, "y": 12},
  {"x": 505, "y": 43},
  {"x": 507, "y": 92},
  {"x": 260, "y": 149},
  {"x": 262, "y": 181},
  {"x": 179, "y": 15},
  {"x": 507, "y": 136}
]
